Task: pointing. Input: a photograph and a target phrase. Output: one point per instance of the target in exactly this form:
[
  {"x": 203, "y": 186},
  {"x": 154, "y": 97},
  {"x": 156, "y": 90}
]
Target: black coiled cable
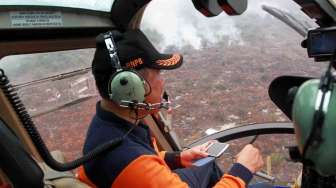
[{"x": 30, "y": 127}]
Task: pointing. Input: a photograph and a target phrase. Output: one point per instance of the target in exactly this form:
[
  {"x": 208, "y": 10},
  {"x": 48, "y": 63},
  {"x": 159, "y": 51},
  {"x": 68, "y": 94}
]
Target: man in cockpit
[{"x": 137, "y": 161}]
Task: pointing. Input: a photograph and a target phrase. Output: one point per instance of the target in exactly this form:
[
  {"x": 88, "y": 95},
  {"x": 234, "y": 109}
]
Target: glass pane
[
  {"x": 30, "y": 67},
  {"x": 59, "y": 92},
  {"x": 100, "y": 5},
  {"x": 276, "y": 158},
  {"x": 229, "y": 63}
]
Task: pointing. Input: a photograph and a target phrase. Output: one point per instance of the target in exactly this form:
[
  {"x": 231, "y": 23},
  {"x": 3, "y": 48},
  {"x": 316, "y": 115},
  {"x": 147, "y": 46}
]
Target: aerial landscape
[{"x": 223, "y": 82}]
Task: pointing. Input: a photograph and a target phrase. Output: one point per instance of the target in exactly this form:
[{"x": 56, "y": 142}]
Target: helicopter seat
[
  {"x": 56, "y": 179},
  {"x": 23, "y": 171},
  {"x": 20, "y": 168}
]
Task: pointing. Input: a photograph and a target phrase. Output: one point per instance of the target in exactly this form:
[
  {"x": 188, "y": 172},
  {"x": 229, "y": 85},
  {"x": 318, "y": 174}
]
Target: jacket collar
[{"x": 141, "y": 130}]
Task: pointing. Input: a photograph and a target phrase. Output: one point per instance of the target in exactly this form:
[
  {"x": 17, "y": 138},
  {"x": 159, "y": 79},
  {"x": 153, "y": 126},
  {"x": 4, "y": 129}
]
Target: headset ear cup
[
  {"x": 304, "y": 109},
  {"x": 126, "y": 86},
  {"x": 321, "y": 154}
]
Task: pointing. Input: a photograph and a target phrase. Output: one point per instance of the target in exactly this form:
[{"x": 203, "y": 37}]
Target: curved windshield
[
  {"x": 229, "y": 62},
  {"x": 99, "y": 5}
]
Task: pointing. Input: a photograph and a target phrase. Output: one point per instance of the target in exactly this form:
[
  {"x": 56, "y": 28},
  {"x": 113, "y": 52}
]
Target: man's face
[{"x": 156, "y": 82}]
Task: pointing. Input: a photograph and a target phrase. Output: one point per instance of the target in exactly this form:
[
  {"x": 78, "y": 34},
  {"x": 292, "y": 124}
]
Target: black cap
[{"x": 135, "y": 51}]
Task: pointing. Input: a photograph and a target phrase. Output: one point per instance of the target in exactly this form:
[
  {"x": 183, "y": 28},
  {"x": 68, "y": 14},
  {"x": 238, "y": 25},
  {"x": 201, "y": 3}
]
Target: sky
[
  {"x": 179, "y": 23},
  {"x": 103, "y": 5}
]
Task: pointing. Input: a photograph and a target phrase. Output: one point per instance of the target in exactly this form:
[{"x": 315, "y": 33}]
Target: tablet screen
[{"x": 217, "y": 149}]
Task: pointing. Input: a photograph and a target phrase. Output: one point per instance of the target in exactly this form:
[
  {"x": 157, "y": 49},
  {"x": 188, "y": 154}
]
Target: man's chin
[
  {"x": 144, "y": 113},
  {"x": 151, "y": 112}
]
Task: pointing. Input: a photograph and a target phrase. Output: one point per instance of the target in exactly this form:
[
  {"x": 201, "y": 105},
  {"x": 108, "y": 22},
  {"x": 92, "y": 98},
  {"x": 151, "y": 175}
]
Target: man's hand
[
  {"x": 251, "y": 158},
  {"x": 198, "y": 152}
]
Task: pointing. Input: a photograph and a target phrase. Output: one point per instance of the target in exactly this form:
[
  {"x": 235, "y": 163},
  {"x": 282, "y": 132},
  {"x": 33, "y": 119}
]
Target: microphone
[
  {"x": 166, "y": 104},
  {"x": 145, "y": 106}
]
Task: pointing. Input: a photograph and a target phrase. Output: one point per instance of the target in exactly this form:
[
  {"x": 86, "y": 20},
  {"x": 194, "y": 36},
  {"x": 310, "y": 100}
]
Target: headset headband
[{"x": 112, "y": 50}]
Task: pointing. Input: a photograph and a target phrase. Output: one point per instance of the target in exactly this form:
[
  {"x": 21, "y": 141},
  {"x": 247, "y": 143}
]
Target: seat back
[{"x": 16, "y": 162}]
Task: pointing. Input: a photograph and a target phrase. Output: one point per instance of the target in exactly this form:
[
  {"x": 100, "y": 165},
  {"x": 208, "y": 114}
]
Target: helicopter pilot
[{"x": 129, "y": 93}]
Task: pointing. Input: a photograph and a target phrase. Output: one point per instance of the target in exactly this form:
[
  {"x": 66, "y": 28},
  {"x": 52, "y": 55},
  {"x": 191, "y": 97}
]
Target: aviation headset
[
  {"x": 314, "y": 112},
  {"x": 126, "y": 87}
]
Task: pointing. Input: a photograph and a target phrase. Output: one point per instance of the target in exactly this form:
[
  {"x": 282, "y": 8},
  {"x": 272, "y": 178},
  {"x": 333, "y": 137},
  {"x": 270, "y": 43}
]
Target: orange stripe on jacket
[
  {"x": 156, "y": 148},
  {"x": 81, "y": 175},
  {"x": 229, "y": 181},
  {"x": 152, "y": 172}
]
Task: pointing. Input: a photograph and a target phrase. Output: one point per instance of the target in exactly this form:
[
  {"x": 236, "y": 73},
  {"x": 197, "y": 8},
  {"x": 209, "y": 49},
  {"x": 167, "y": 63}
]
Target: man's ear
[
  {"x": 148, "y": 88},
  {"x": 143, "y": 73}
]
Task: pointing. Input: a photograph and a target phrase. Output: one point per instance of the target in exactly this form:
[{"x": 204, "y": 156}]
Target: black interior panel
[
  {"x": 282, "y": 92},
  {"x": 123, "y": 11}
]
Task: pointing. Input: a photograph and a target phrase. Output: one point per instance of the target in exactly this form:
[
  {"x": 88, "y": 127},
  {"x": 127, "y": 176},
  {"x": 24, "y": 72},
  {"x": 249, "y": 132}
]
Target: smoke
[
  {"x": 180, "y": 24},
  {"x": 177, "y": 23}
]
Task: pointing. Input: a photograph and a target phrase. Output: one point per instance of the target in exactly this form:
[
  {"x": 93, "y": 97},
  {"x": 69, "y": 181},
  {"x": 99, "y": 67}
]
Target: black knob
[{"x": 123, "y": 81}]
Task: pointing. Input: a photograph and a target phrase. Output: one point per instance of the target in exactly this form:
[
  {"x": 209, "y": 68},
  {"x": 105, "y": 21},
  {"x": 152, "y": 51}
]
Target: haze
[{"x": 178, "y": 23}]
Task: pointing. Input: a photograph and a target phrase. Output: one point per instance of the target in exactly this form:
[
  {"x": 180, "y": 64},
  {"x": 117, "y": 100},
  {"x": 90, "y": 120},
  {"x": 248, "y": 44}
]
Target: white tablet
[{"x": 217, "y": 149}]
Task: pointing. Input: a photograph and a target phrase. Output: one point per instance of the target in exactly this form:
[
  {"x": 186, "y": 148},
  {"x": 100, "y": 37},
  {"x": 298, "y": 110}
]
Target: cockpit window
[
  {"x": 99, "y": 5},
  {"x": 59, "y": 93},
  {"x": 32, "y": 67},
  {"x": 229, "y": 62}
]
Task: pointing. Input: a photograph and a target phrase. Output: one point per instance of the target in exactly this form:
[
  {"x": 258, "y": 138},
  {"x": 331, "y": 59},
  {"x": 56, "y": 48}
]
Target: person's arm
[
  {"x": 239, "y": 170},
  {"x": 172, "y": 159},
  {"x": 151, "y": 171},
  {"x": 185, "y": 158},
  {"x": 248, "y": 161}
]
